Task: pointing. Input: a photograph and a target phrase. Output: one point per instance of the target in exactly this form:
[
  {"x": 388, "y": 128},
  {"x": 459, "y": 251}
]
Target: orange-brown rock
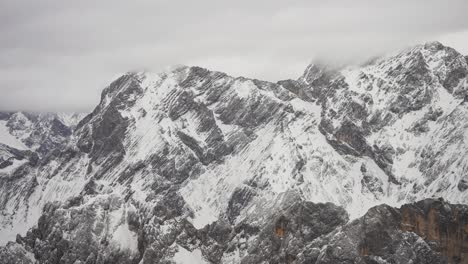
[{"x": 443, "y": 226}]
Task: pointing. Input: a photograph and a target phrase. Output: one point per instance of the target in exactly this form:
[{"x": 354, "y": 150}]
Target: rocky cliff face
[
  {"x": 444, "y": 227},
  {"x": 429, "y": 231},
  {"x": 196, "y": 166}
]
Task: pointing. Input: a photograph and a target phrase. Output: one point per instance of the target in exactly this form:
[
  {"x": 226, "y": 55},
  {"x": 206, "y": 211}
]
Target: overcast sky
[{"x": 58, "y": 55}]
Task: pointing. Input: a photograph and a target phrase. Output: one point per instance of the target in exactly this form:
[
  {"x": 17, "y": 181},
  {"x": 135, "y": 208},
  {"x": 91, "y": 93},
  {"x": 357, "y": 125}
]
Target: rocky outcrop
[
  {"x": 286, "y": 236},
  {"x": 429, "y": 231},
  {"x": 443, "y": 226}
]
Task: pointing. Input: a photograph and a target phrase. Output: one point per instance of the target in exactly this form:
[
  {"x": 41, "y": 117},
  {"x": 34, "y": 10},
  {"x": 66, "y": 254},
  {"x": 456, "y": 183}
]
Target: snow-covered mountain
[
  {"x": 196, "y": 166},
  {"x": 38, "y": 132}
]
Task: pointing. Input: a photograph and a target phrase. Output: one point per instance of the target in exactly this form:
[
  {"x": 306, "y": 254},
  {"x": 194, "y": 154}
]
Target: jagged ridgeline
[{"x": 360, "y": 164}]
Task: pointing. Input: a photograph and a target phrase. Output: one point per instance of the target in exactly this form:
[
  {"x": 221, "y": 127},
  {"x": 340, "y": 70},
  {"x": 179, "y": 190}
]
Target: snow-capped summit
[{"x": 193, "y": 162}]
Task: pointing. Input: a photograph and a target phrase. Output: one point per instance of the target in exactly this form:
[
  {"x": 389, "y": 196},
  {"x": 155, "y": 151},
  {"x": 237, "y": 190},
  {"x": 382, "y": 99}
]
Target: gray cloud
[{"x": 58, "y": 55}]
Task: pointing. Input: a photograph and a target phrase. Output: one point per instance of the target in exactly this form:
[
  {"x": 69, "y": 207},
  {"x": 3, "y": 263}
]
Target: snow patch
[
  {"x": 308, "y": 107},
  {"x": 183, "y": 256},
  {"x": 125, "y": 238},
  {"x": 243, "y": 88},
  {"x": 16, "y": 164},
  {"x": 8, "y": 139}
]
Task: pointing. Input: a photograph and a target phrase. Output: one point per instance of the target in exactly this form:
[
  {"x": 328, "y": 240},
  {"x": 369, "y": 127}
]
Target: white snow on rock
[
  {"x": 124, "y": 238},
  {"x": 183, "y": 256},
  {"x": 243, "y": 88},
  {"x": 70, "y": 119},
  {"x": 15, "y": 164},
  {"x": 8, "y": 139}
]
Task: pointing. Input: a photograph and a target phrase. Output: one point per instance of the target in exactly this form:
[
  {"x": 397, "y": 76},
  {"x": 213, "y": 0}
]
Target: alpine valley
[{"x": 355, "y": 164}]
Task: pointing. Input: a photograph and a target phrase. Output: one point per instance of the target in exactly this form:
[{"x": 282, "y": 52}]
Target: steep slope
[
  {"x": 197, "y": 164},
  {"x": 24, "y": 139},
  {"x": 406, "y": 112}
]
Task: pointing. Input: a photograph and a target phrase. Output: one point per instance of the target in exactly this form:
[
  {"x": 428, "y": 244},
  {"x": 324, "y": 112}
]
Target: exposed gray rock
[{"x": 304, "y": 232}]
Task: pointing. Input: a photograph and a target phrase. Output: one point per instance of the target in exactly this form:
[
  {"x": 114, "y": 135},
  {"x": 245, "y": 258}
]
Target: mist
[{"x": 59, "y": 55}]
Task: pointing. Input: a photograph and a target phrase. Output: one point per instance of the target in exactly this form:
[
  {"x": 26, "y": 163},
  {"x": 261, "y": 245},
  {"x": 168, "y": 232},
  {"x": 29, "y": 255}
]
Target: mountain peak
[
  {"x": 434, "y": 45},
  {"x": 193, "y": 160}
]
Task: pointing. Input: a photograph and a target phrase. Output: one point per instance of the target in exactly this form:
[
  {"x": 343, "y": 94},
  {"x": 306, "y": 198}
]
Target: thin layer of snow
[
  {"x": 183, "y": 256},
  {"x": 209, "y": 194},
  {"x": 272, "y": 159},
  {"x": 23, "y": 217},
  {"x": 8, "y": 139},
  {"x": 351, "y": 77},
  {"x": 152, "y": 129},
  {"x": 16, "y": 164}
]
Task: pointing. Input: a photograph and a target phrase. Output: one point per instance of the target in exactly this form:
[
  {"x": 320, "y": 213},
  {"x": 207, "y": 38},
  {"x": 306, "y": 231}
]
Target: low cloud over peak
[{"x": 58, "y": 55}]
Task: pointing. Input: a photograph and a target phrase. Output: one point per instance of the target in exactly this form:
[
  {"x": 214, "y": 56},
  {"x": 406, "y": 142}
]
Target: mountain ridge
[{"x": 192, "y": 159}]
